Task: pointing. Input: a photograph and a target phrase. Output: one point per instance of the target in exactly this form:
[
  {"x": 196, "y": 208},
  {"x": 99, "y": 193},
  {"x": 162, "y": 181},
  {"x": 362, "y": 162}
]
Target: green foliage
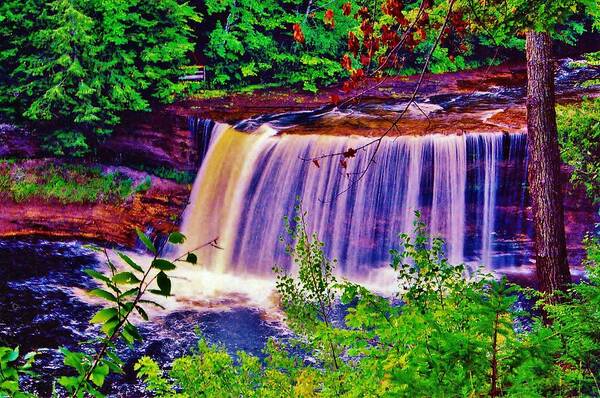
[
  {"x": 66, "y": 183},
  {"x": 11, "y": 369},
  {"x": 252, "y": 42},
  {"x": 505, "y": 22},
  {"x": 74, "y": 66},
  {"x": 308, "y": 299},
  {"x": 452, "y": 335},
  {"x": 579, "y": 135},
  {"x": 180, "y": 177}
]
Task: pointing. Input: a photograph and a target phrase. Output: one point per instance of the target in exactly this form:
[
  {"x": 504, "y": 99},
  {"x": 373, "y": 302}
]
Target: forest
[{"x": 299, "y": 198}]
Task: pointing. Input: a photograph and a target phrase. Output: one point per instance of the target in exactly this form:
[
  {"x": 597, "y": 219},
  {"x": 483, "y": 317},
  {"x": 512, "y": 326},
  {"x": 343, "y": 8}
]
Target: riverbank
[{"x": 146, "y": 202}]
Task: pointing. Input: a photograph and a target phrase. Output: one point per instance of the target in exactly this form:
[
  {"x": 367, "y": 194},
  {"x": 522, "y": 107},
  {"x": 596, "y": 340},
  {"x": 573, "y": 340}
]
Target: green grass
[
  {"x": 180, "y": 177},
  {"x": 65, "y": 183}
]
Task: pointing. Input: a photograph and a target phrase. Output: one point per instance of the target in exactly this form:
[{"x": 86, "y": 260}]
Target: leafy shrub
[
  {"x": 446, "y": 333},
  {"x": 579, "y": 133}
]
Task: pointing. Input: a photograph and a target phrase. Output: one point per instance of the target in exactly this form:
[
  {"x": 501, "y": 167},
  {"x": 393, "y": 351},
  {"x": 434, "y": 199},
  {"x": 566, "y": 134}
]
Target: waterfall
[
  {"x": 202, "y": 131},
  {"x": 249, "y": 182}
]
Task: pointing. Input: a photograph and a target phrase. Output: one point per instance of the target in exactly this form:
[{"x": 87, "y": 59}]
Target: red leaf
[
  {"x": 366, "y": 28},
  {"x": 316, "y": 163},
  {"x": 347, "y": 9},
  {"x": 365, "y": 60},
  {"x": 392, "y": 8},
  {"x": 346, "y": 62},
  {"x": 343, "y": 163},
  {"x": 298, "y": 34},
  {"x": 348, "y": 86},
  {"x": 363, "y": 13},
  {"x": 350, "y": 153},
  {"x": 353, "y": 43},
  {"x": 335, "y": 99},
  {"x": 328, "y": 18},
  {"x": 357, "y": 75}
]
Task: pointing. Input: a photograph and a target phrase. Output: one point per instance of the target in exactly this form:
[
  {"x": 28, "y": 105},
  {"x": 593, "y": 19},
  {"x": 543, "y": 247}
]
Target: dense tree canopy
[{"x": 73, "y": 66}]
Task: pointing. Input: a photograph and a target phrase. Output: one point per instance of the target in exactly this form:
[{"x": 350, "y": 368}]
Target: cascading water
[
  {"x": 202, "y": 131},
  {"x": 460, "y": 183}
]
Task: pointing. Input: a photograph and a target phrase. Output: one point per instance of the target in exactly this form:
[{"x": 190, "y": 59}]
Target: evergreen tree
[{"x": 73, "y": 66}]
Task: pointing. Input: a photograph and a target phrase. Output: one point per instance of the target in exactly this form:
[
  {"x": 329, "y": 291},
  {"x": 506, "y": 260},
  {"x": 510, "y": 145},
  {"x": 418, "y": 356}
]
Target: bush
[
  {"x": 579, "y": 133},
  {"x": 446, "y": 333}
]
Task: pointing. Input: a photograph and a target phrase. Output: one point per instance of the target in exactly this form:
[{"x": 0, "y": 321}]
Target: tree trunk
[{"x": 544, "y": 166}]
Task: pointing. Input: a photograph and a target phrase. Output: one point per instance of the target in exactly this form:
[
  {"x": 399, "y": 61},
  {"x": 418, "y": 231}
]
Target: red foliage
[
  {"x": 347, "y": 9},
  {"x": 393, "y": 8},
  {"x": 357, "y": 75},
  {"x": 343, "y": 163},
  {"x": 363, "y": 13},
  {"x": 350, "y": 153},
  {"x": 328, "y": 18},
  {"x": 353, "y": 43},
  {"x": 316, "y": 163},
  {"x": 298, "y": 34},
  {"x": 335, "y": 99},
  {"x": 389, "y": 37},
  {"x": 346, "y": 62},
  {"x": 348, "y": 86},
  {"x": 366, "y": 27},
  {"x": 365, "y": 60}
]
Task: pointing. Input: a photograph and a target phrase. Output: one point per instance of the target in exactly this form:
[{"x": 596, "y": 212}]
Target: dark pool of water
[{"x": 40, "y": 310}]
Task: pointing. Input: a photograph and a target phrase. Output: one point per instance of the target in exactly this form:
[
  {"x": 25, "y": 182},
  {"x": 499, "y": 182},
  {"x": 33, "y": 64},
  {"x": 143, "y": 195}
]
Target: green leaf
[
  {"x": 142, "y": 312},
  {"x": 130, "y": 262},
  {"x": 163, "y": 265},
  {"x": 145, "y": 240},
  {"x": 96, "y": 275},
  {"x": 99, "y": 374},
  {"x": 13, "y": 355},
  {"x": 154, "y": 303},
  {"x": 104, "y": 315},
  {"x": 130, "y": 292},
  {"x": 164, "y": 283},
  {"x": 191, "y": 258},
  {"x": 103, "y": 294},
  {"x": 176, "y": 238},
  {"x": 125, "y": 277}
]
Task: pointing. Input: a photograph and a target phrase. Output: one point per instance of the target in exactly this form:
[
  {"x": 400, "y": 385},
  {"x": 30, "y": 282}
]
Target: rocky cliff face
[
  {"x": 157, "y": 210},
  {"x": 153, "y": 139}
]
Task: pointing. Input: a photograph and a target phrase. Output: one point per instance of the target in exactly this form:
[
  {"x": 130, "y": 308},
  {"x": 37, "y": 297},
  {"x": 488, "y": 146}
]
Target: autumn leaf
[
  {"x": 353, "y": 43},
  {"x": 350, "y": 153},
  {"x": 328, "y": 18},
  {"x": 363, "y": 13},
  {"x": 346, "y": 62},
  {"x": 298, "y": 34},
  {"x": 335, "y": 99},
  {"x": 316, "y": 163},
  {"x": 346, "y": 9},
  {"x": 366, "y": 27},
  {"x": 365, "y": 60},
  {"x": 357, "y": 74},
  {"x": 348, "y": 86},
  {"x": 343, "y": 163}
]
